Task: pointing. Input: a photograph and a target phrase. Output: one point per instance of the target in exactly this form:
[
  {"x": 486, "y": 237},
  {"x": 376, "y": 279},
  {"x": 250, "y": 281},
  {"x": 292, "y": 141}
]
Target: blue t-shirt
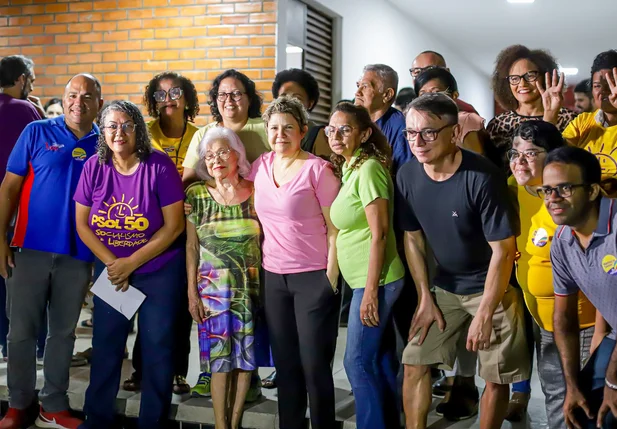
[
  {"x": 392, "y": 124},
  {"x": 51, "y": 159}
]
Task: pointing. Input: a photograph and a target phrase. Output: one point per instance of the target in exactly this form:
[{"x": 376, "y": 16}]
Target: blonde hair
[{"x": 290, "y": 105}]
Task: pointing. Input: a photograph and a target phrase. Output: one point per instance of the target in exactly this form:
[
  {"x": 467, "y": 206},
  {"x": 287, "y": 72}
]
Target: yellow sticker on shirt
[
  {"x": 79, "y": 154},
  {"x": 609, "y": 265}
]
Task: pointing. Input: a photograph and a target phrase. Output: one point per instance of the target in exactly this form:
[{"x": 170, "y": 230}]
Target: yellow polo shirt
[
  {"x": 533, "y": 268},
  {"x": 175, "y": 148}
]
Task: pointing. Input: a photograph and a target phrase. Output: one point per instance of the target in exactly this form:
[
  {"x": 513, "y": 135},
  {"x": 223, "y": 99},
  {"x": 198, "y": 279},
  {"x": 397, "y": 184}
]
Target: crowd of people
[{"x": 472, "y": 246}]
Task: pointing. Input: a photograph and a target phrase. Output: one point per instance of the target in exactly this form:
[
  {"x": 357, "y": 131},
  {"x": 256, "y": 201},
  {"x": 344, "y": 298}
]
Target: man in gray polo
[{"x": 584, "y": 258}]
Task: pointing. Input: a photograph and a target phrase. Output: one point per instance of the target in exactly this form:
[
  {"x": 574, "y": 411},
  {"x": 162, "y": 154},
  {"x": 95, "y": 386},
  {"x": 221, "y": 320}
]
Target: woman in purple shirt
[{"x": 129, "y": 213}]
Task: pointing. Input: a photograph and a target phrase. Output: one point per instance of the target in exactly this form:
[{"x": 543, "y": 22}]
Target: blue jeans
[
  {"x": 371, "y": 367},
  {"x": 157, "y": 314}
]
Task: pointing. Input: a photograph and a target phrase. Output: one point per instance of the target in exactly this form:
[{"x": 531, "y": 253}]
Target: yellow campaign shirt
[
  {"x": 533, "y": 269},
  {"x": 587, "y": 131},
  {"x": 175, "y": 148},
  {"x": 252, "y": 135}
]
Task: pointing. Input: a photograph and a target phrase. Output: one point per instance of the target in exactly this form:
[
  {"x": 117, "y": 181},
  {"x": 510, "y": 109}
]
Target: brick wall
[{"x": 126, "y": 42}]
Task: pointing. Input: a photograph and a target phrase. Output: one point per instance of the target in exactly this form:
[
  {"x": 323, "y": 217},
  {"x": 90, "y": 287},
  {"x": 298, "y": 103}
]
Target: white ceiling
[{"x": 574, "y": 31}]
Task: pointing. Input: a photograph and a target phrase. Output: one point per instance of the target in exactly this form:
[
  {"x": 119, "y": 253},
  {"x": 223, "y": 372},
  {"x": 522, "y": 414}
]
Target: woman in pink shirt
[{"x": 293, "y": 193}]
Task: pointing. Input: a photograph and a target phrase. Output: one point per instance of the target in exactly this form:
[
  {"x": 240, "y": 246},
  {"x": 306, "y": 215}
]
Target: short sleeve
[
  {"x": 192, "y": 198},
  {"x": 496, "y": 209},
  {"x": 563, "y": 283},
  {"x": 572, "y": 133},
  {"x": 168, "y": 182},
  {"x": 327, "y": 186},
  {"x": 470, "y": 122},
  {"x": 21, "y": 155},
  {"x": 83, "y": 192},
  {"x": 373, "y": 182},
  {"x": 192, "y": 157},
  {"x": 404, "y": 216}
]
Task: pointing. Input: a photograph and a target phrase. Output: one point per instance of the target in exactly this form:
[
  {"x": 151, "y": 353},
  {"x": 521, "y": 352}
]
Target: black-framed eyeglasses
[
  {"x": 428, "y": 135},
  {"x": 224, "y": 154},
  {"x": 127, "y": 128},
  {"x": 235, "y": 96},
  {"x": 529, "y": 155},
  {"x": 174, "y": 94},
  {"x": 563, "y": 191},
  {"x": 530, "y": 76},
  {"x": 345, "y": 130},
  {"x": 417, "y": 71}
]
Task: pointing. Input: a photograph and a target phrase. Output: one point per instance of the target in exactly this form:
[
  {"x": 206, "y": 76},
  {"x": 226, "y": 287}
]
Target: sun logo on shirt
[
  {"x": 120, "y": 209},
  {"x": 607, "y": 161}
]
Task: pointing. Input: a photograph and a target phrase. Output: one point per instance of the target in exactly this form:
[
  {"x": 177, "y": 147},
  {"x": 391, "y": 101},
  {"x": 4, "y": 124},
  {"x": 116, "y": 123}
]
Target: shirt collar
[
  {"x": 603, "y": 228},
  {"x": 600, "y": 118},
  {"x": 346, "y": 166},
  {"x": 59, "y": 122}
]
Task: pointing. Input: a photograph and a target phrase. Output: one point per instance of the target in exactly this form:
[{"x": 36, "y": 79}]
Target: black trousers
[{"x": 302, "y": 315}]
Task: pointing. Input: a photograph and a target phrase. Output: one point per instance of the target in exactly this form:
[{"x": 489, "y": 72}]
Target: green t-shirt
[{"x": 361, "y": 187}]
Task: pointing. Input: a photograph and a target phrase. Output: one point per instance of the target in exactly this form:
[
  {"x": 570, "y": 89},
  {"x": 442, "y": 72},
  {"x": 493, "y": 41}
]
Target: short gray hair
[
  {"x": 143, "y": 146},
  {"x": 221, "y": 133},
  {"x": 290, "y": 105},
  {"x": 387, "y": 75}
]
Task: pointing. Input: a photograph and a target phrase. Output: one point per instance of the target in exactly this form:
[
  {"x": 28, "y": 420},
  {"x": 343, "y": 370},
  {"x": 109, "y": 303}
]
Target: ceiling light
[
  {"x": 569, "y": 71},
  {"x": 521, "y": 1},
  {"x": 290, "y": 49}
]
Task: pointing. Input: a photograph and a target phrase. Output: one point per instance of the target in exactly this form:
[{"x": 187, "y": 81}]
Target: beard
[{"x": 24, "y": 93}]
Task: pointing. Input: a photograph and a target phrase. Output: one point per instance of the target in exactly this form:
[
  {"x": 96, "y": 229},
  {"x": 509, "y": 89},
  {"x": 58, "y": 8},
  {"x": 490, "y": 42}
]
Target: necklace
[
  {"x": 234, "y": 188},
  {"x": 176, "y": 157}
]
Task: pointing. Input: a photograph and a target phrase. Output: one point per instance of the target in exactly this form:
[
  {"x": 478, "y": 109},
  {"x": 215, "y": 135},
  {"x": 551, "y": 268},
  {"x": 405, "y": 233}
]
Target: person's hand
[
  {"x": 6, "y": 258},
  {"x": 612, "y": 84},
  {"x": 196, "y": 308},
  {"x": 119, "y": 270},
  {"x": 426, "y": 313},
  {"x": 479, "y": 334},
  {"x": 552, "y": 95},
  {"x": 574, "y": 401},
  {"x": 187, "y": 209},
  {"x": 608, "y": 404},
  {"x": 333, "y": 279},
  {"x": 369, "y": 310},
  {"x": 36, "y": 102},
  {"x": 123, "y": 286}
]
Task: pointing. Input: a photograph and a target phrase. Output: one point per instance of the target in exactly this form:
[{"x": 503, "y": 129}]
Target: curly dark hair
[
  {"x": 143, "y": 147},
  {"x": 501, "y": 87},
  {"x": 188, "y": 90},
  {"x": 302, "y": 78},
  {"x": 255, "y": 100},
  {"x": 375, "y": 147}
]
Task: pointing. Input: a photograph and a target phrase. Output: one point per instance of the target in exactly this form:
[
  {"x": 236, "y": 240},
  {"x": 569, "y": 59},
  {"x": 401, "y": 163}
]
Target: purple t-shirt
[
  {"x": 15, "y": 114},
  {"x": 126, "y": 210}
]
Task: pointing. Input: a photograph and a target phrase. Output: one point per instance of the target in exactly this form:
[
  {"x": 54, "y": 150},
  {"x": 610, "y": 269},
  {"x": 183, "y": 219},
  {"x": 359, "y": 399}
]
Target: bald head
[
  {"x": 82, "y": 101},
  {"x": 82, "y": 77}
]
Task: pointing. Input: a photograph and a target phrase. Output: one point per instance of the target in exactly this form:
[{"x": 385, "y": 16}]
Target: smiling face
[
  {"x": 284, "y": 134},
  {"x": 53, "y": 111},
  {"x": 218, "y": 167},
  {"x": 601, "y": 91},
  {"x": 443, "y": 145},
  {"x": 170, "y": 108},
  {"x": 527, "y": 172},
  {"x": 121, "y": 142},
  {"x": 525, "y": 92},
  {"x": 237, "y": 111},
  {"x": 582, "y": 103},
  {"x": 81, "y": 102}
]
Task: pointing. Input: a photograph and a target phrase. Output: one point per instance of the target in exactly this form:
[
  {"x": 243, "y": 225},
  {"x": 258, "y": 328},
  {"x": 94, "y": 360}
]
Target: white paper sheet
[{"x": 126, "y": 303}]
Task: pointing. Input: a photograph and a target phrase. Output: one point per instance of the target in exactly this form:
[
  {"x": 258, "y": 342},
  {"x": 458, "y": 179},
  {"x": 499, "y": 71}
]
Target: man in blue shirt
[
  {"x": 376, "y": 92},
  {"x": 51, "y": 267}
]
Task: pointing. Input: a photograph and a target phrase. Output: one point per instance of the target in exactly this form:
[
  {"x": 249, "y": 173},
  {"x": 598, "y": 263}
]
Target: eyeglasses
[
  {"x": 235, "y": 95},
  {"x": 345, "y": 130},
  {"x": 428, "y": 135},
  {"x": 127, "y": 128},
  {"x": 224, "y": 154},
  {"x": 174, "y": 94},
  {"x": 417, "y": 71},
  {"x": 530, "y": 76},
  {"x": 563, "y": 191},
  {"x": 529, "y": 155}
]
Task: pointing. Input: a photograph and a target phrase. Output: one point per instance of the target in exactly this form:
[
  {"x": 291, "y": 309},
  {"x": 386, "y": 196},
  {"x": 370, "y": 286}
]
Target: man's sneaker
[
  {"x": 462, "y": 404},
  {"x": 517, "y": 408},
  {"x": 254, "y": 392},
  {"x": 14, "y": 419},
  {"x": 59, "y": 420},
  {"x": 181, "y": 387},
  {"x": 202, "y": 388},
  {"x": 442, "y": 386}
]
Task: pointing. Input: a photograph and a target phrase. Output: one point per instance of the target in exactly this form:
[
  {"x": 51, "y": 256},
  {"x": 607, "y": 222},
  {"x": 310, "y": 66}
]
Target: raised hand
[
  {"x": 552, "y": 95},
  {"x": 612, "y": 85}
]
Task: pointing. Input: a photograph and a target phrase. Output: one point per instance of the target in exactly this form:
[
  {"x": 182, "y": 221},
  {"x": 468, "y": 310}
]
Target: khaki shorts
[{"x": 506, "y": 361}]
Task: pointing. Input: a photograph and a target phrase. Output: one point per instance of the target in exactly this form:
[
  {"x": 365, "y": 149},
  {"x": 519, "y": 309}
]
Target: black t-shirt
[{"x": 458, "y": 216}]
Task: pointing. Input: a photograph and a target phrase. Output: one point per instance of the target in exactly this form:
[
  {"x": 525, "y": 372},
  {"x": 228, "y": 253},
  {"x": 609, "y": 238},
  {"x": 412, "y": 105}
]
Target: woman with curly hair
[
  {"x": 172, "y": 101},
  {"x": 368, "y": 260},
  {"x": 234, "y": 104},
  {"x": 129, "y": 213},
  {"x": 527, "y": 85}
]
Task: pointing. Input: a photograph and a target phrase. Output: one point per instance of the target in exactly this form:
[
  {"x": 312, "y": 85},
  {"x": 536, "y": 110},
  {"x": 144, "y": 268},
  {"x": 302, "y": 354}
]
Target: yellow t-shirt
[
  {"x": 252, "y": 135},
  {"x": 174, "y": 147},
  {"x": 587, "y": 132},
  {"x": 533, "y": 268}
]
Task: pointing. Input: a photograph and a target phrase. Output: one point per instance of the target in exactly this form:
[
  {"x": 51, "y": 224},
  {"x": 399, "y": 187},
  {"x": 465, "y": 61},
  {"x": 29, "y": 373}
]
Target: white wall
[{"x": 375, "y": 31}]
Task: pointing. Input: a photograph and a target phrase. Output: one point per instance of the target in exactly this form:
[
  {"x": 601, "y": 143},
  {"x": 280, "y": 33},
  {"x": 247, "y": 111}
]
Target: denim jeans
[{"x": 371, "y": 367}]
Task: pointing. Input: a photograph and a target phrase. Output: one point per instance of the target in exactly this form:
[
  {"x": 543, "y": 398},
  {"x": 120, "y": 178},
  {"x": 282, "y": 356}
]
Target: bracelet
[{"x": 610, "y": 385}]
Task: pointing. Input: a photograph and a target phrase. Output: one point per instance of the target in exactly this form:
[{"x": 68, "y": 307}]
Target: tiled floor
[{"x": 263, "y": 413}]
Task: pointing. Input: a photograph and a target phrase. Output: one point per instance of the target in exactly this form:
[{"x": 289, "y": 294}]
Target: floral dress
[{"x": 228, "y": 281}]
